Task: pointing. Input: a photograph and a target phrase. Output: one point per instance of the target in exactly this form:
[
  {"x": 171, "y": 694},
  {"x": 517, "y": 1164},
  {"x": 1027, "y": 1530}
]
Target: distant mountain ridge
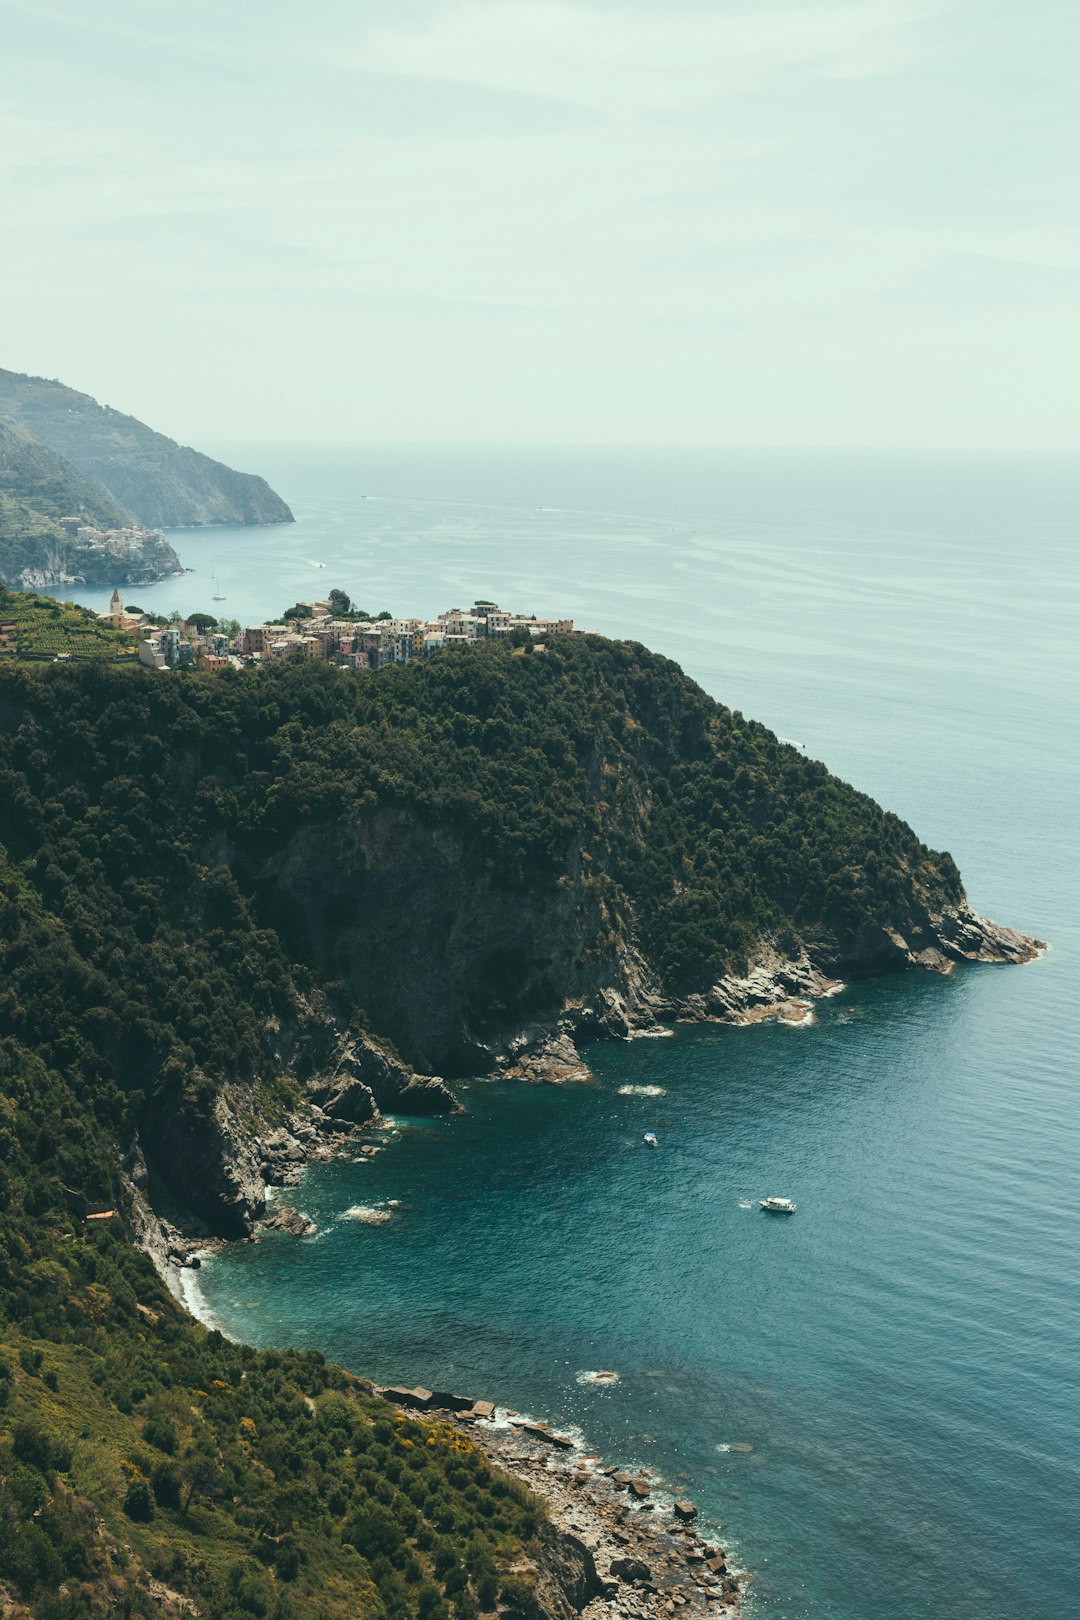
[{"x": 162, "y": 483}]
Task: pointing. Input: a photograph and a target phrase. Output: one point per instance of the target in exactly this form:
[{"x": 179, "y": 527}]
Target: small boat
[
  {"x": 778, "y": 1206},
  {"x": 650, "y": 1138}
]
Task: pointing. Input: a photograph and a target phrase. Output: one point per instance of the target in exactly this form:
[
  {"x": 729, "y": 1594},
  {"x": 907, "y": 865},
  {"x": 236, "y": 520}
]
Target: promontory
[{"x": 241, "y": 913}]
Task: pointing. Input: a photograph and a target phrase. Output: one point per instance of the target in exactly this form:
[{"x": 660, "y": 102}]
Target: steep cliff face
[
  {"x": 212, "y": 1152},
  {"x": 442, "y": 954},
  {"x": 466, "y": 975},
  {"x": 164, "y": 484},
  {"x": 259, "y": 882}
]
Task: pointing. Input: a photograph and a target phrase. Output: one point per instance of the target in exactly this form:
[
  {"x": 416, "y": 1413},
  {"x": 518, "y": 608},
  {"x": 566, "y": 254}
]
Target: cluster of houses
[
  {"x": 321, "y": 630},
  {"x": 121, "y": 543}
]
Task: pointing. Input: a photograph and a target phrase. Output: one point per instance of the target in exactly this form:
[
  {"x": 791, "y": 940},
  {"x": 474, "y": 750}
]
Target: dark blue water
[{"x": 903, "y": 1355}]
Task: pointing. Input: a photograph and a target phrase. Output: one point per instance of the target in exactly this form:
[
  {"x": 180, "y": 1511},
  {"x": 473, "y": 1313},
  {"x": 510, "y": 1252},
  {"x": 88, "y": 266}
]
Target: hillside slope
[
  {"x": 50, "y": 485},
  {"x": 219, "y": 894},
  {"x": 164, "y": 484},
  {"x": 38, "y": 487},
  {"x": 573, "y": 839}
]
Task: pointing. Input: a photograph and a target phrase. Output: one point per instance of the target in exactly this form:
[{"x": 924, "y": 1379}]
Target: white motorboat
[
  {"x": 650, "y": 1138},
  {"x": 778, "y": 1206}
]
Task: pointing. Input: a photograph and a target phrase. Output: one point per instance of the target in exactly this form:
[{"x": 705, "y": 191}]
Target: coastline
[
  {"x": 649, "y": 1557},
  {"x": 622, "y": 1547},
  {"x": 648, "y": 1562}
]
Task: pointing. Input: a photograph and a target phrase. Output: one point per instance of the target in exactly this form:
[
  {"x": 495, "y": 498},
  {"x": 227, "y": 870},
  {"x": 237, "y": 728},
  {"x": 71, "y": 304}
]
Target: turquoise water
[{"x": 902, "y": 1355}]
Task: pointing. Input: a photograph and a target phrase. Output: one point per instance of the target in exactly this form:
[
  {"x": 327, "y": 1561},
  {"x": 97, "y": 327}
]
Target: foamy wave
[
  {"x": 658, "y": 1034},
  {"x": 601, "y": 1379},
  {"x": 188, "y": 1290},
  {"x": 642, "y": 1091},
  {"x": 799, "y": 1023},
  {"x": 370, "y": 1214}
]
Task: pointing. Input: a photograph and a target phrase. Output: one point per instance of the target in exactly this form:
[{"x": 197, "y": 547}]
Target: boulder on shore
[
  {"x": 419, "y": 1398},
  {"x": 288, "y": 1219},
  {"x": 630, "y": 1569}
]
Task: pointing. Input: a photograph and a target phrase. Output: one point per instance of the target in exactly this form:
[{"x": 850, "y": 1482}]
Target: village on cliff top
[{"x": 330, "y": 631}]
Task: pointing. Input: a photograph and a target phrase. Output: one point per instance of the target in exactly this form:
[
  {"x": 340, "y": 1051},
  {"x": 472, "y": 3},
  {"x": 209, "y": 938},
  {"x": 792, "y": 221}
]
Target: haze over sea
[{"x": 902, "y": 1356}]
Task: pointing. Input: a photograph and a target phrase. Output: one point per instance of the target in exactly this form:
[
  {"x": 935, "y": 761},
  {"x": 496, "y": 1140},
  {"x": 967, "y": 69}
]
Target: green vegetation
[
  {"x": 201, "y": 879},
  {"x": 50, "y": 485},
  {"x": 592, "y": 787},
  {"x": 165, "y": 484},
  {"x": 43, "y": 629},
  {"x": 252, "y": 1483},
  {"x": 38, "y": 487}
]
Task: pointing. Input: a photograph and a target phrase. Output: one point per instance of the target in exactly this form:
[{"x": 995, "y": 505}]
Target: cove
[
  {"x": 884, "y": 1355},
  {"x": 903, "y": 1355}
]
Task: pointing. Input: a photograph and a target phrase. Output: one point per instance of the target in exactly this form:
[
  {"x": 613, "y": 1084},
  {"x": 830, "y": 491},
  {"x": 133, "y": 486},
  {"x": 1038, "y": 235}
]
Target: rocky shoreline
[
  {"x": 230, "y": 1165},
  {"x": 213, "y": 1173},
  {"x": 620, "y": 1547},
  {"x": 782, "y": 984}
]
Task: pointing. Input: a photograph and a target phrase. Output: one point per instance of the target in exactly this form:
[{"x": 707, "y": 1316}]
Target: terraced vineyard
[{"x": 40, "y": 629}]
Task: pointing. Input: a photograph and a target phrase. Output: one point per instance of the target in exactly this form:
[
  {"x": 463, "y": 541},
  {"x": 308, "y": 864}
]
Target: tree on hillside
[
  {"x": 202, "y": 622},
  {"x": 201, "y": 1476},
  {"x": 339, "y": 602}
]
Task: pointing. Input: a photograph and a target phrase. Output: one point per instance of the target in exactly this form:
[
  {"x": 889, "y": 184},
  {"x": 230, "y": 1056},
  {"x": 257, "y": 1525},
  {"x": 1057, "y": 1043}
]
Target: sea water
[{"x": 877, "y": 1399}]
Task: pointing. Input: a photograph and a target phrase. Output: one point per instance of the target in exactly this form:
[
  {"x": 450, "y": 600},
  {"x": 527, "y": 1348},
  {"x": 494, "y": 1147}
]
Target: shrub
[
  {"x": 139, "y": 1503},
  {"x": 161, "y": 1432},
  {"x": 165, "y": 1484}
]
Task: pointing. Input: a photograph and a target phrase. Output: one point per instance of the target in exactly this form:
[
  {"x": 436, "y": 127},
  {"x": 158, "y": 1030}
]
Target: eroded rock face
[
  {"x": 774, "y": 988},
  {"x": 966, "y": 936},
  {"x": 215, "y": 1167},
  {"x": 537, "y": 1054},
  {"x": 209, "y": 1162},
  {"x": 364, "y": 1080},
  {"x": 780, "y": 987},
  {"x": 567, "y": 1579},
  {"x": 937, "y": 941}
]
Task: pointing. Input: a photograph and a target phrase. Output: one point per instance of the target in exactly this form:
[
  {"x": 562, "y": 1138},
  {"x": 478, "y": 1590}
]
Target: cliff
[
  {"x": 164, "y": 484},
  {"x": 483, "y": 860},
  {"x": 238, "y": 914}
]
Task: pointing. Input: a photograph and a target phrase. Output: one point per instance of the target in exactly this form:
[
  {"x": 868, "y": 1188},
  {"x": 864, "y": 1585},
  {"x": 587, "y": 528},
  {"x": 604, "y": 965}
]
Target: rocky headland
[{"x": 242, "y": 921}]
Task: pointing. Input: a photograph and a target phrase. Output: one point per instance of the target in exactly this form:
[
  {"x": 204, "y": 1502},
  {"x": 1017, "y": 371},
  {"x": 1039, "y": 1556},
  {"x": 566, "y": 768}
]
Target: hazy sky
[{"x": 731, "y": 222}]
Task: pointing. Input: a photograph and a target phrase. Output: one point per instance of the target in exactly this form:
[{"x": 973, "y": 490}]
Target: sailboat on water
[{"x": 219, "y": 596}]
